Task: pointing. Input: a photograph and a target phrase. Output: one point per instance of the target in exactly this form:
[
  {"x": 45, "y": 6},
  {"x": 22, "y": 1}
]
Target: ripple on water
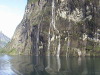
[
  {"x": 5, "y": 66},
  {"x": 5, "y": 57}
]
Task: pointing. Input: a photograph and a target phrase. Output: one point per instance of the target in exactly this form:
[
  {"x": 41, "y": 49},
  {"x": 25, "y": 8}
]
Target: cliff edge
[{"x": 58, "y": 27}]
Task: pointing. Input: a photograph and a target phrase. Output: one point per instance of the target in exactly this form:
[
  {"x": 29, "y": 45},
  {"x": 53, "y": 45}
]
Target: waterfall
[
  {"x": 52, "y": 26},
  {"x": 48, "y": 51},
  {"x": 37, "y": 40},
  {"x": 53, "y": 14},
  {"x": 59, "y": 45},
  {"x": 68, "y": 38}
]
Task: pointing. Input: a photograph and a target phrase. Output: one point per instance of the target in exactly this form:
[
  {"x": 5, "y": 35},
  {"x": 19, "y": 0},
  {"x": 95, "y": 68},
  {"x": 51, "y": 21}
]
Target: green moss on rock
[{"x": 10, "y": 52}]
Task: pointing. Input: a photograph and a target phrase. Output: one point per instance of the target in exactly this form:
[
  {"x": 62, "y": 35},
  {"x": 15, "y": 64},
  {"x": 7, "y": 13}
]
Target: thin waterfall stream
[
  {"x": 59, "y": 46},
  {"x": 52, "y": 25}
]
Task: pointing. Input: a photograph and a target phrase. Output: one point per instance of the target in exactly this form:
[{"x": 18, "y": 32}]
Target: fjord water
[{"x": 53, "y": 65}]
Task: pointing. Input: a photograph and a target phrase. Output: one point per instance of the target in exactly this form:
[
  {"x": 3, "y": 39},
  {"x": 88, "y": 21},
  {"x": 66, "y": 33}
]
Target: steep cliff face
[
  {"x": 3, "y": 40},
  {"x": 59, "y": 27}
]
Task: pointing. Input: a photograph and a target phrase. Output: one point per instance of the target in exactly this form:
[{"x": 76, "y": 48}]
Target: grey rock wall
[{"x": 59, "y": 27}]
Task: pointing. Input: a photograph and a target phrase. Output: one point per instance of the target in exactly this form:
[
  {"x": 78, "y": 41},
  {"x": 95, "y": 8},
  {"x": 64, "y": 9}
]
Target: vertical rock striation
[{"x": 59, "y": 27}]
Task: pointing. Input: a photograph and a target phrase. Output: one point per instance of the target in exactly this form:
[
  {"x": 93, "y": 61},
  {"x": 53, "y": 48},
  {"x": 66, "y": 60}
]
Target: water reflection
[
  {"x": 42, "y": 65},
  {"x": 5, "y": 66},
  {"x": 53, "y": 65}
]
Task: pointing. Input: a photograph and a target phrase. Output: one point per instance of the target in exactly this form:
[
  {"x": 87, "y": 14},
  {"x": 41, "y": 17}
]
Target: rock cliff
[
  {"x": 59, "y": 27},
  {"x": 3, "y": 40}
]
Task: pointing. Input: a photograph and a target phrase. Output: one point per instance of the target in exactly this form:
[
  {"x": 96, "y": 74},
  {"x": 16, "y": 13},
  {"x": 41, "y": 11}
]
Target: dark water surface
[{"x": 32, "y": 65}]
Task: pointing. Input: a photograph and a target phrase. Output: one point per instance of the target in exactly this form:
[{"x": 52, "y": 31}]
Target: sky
[{"x": 11, "y": 14}]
